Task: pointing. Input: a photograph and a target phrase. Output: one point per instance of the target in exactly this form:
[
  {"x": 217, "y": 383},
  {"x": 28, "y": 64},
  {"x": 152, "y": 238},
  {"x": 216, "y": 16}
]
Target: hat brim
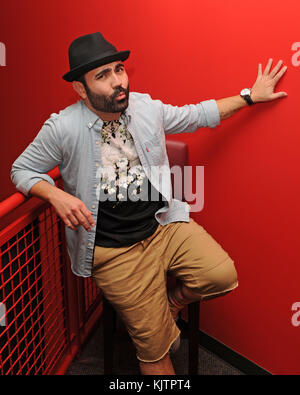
[{"x": 92, "y": 64}]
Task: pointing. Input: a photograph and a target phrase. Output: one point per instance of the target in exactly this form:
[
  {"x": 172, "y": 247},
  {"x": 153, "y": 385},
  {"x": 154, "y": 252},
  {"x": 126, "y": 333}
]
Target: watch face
[{"x": 245, "y": 91}]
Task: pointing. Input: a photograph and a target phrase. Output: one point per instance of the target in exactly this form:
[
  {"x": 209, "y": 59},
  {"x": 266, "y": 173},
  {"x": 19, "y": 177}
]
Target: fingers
[
  {"x": 276, "y": 69},
  {"x": 278, "y": 95},
  {"x": 80, "y": 216},
  {"x": 259, "y": 70},
  {"x": 86, "y": 217},
  {"x": 72, "y": 211},
  {"x": 268, "y": 67},
  {"x": 275, "y": 73},
  {"x": 71, "y": 222},
  {"x": 280, "y": 74}
]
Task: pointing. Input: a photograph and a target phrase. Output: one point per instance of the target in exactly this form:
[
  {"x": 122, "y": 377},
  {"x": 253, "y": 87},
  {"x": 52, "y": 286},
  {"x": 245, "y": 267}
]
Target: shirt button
[
  {"x": 93, "y": 206},
  {"x": 90, "y": 125},
  {"x": 97, "y": 142},
  {"x": 95, "y": 185},
  {"x": 89, "y": 244}
]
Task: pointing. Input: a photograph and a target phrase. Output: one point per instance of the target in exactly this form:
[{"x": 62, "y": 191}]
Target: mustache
[{"x": 118, "y": 91}]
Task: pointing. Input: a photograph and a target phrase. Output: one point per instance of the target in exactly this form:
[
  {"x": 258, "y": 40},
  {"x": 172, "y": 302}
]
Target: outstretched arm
[{"x": 262, "y": 90}]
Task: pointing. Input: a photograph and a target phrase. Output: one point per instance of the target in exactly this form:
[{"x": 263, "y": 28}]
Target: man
[{"x": 107, "y": 147}]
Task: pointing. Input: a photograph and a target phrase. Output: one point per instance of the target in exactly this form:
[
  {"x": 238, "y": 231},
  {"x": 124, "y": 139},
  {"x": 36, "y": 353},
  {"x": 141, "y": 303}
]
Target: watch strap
[
  {"x": 248, "y": 99},
  {"x": 247, "y": 96}
]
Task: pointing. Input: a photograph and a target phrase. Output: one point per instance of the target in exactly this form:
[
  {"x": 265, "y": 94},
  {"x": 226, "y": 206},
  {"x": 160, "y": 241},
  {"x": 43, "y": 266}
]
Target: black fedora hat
[{"x": 91, "y": 51}]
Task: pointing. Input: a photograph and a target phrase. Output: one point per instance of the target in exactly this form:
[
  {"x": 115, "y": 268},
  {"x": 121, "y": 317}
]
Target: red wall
[{"x": 185, "y": 52}]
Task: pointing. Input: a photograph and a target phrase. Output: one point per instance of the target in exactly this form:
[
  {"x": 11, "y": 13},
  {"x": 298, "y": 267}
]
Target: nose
[{"x": 116, "y": 80}]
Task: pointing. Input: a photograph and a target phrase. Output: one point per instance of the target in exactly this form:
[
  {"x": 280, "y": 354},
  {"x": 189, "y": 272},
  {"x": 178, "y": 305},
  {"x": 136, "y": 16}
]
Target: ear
[{"x": 80, "y": 89}]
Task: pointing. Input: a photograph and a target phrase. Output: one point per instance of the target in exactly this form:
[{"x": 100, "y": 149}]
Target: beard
[{"x": 109, "y": 103}]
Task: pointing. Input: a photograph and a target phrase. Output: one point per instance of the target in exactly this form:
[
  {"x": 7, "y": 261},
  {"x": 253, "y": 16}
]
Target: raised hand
[{"x": 264, "y": 86}]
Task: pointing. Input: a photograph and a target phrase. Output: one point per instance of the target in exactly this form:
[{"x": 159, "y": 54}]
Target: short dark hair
[{"x": 82, "y": 80}]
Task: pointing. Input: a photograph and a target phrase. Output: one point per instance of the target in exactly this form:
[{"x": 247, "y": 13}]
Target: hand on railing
[{"x": 71, "y": 210}]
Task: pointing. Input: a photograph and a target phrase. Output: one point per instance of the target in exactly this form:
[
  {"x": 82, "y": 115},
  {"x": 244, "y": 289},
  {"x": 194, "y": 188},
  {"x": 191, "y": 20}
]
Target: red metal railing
[{"x": 49, "y": 312}]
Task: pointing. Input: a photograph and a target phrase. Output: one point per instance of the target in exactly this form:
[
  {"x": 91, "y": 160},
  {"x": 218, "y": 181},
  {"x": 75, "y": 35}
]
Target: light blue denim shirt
[{"x": 71, "y": 140}]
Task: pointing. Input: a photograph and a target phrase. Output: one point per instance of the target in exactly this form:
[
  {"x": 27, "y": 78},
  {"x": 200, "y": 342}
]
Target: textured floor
[{"x": 90, "y": 362}]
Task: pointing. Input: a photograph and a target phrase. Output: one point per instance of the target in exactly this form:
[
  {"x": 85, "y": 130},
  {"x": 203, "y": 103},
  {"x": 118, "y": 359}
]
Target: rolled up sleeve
[
  {"x": 42, "y": 155},
  {"x": 190, "y": 117},
  {"x": 210, "y": 116}
]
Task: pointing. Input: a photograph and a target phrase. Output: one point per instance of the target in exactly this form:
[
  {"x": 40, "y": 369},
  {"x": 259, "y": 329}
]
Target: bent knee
[
  {"x": 219, "y": 280},
  {"x": 224, "y": 276}
]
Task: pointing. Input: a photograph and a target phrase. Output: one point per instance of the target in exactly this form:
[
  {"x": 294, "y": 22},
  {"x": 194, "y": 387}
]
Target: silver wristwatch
[{"x": 245, "y": 94}]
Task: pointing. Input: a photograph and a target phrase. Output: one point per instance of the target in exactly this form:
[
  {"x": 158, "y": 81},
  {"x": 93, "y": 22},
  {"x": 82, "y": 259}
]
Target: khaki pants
[{"x": 133, "y": 279}]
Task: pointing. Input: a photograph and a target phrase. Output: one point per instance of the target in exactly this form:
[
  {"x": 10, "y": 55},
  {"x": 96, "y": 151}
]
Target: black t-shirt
[
  {"x": 124, "y": 223},
  {"x": 127, "y": 201}
]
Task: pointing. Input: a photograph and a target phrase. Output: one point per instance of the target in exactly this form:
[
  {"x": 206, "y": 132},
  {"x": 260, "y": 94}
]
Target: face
[{"x": 107, "y": 88}]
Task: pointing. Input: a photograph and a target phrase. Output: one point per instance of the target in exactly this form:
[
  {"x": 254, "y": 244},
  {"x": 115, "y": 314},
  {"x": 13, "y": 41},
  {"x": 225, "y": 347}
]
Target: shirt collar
[{"x": 90, "y": 118}]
